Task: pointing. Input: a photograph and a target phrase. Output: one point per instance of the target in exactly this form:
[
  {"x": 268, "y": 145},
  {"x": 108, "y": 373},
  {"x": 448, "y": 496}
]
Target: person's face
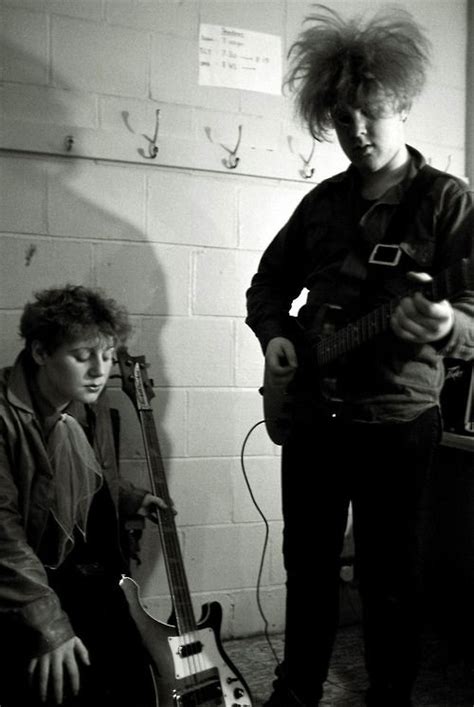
[
  {"x": 372, "y": 135},
  {"x": 76, "y": 370}
]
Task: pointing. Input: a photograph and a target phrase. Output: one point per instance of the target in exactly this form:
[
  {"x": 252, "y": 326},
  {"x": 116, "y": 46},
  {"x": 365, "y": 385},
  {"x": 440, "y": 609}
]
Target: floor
[{"x": 439, "y": 684}]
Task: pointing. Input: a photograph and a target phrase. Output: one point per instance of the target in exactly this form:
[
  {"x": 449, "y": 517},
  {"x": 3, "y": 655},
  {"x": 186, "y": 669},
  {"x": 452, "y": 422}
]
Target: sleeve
[
  {"x": 130, "y": 498},
  {"x": 278, "y": 281},
  {"x": 28, "y": 605},
  {"x": 106, "y": 423},
  {"x": 456, "y": 228}
]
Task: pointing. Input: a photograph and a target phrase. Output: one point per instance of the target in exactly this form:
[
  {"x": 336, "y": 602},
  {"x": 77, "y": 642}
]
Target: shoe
[
  {"x": 278, "y": 699},
  {"x": 285, "y": 698},
  {"x": 377, "y": 697}
]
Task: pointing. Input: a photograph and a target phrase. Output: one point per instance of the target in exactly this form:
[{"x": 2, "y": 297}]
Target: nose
[
  {"x": 97, "y": 367},
  {"x": 358, "y": 124}
]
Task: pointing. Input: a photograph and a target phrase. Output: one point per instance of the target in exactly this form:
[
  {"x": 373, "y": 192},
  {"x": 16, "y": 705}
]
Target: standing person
[
  {"x": 356, "y": 241},
  {"x": 66, "y": 634}
]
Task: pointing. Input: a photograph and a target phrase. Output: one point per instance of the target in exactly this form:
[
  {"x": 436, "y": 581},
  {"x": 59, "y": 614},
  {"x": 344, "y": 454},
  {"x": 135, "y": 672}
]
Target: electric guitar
[
  {"x": 334, "y": 343},
  {"x": 188, "y": 663}
]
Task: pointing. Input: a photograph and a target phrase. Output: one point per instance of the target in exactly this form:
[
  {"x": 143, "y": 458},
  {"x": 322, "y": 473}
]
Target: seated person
[{"x": 66, "y": 633}]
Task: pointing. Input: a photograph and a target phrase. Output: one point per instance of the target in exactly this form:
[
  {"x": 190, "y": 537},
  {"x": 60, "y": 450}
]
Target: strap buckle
[{"x": 385, "y": 254}]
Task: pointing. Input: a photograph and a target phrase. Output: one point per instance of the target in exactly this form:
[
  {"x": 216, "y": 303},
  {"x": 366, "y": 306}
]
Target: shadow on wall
[{"x": 69, "y": 220}]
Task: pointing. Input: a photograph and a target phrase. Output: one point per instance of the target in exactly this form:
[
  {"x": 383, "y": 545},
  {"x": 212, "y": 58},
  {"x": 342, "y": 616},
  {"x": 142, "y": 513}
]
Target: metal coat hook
[
  {"x": 152, "y": 146},
  {"x": 448, "y": 163},
  {"x": 307, "y": 171},
  {"x": 232, "y": 160},
  {"x": 68, "y": 143}
]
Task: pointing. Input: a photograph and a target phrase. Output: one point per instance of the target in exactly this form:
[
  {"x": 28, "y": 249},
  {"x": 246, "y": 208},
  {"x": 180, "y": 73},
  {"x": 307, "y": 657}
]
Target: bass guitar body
[{"x": 189, "y": 670}]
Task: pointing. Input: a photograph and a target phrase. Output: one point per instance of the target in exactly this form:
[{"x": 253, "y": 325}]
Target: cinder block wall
[{"x": 177, "y": 245}]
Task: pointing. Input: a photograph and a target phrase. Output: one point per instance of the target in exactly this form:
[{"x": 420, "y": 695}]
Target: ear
[{"x": 38, "y": 353}]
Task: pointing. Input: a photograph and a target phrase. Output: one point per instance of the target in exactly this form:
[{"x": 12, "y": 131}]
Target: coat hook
[
  {"x": 232, "y": 161},
  {"x": 307, "y": 171},
  {"x": 152, "y": 146},
  {"x": 68, "y": 143},
  {"x": 448, "y": 163}
]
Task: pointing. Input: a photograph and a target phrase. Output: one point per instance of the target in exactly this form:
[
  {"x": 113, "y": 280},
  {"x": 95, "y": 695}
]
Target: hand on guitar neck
[
  {"x": 151, "y": 504},
  {"x": 419, "y": 320}
]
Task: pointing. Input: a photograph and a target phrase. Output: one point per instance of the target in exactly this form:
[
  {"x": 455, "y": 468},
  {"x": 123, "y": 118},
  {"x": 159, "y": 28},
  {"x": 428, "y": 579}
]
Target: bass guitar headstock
[{"x": 135, "y": 381}]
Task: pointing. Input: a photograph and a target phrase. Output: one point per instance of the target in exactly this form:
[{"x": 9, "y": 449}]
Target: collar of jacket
[
  {"x": 19, "y": 395},
  {"x": 394, "y": 194}
]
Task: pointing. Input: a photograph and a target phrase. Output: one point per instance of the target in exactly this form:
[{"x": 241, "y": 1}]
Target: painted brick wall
[{"x": 178, "y": 246}]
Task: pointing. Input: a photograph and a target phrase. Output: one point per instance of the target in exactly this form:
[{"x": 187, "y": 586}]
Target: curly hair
[
  {"x": 64, "y": 314},
  {"x": 333, "y": 60}
]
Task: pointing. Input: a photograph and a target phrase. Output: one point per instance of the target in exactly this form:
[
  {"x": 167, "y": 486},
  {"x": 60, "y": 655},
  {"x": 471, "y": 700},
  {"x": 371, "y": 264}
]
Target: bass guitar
[
  {"x": 188, "y": 663},
  {"x": 333, "y": 343}
]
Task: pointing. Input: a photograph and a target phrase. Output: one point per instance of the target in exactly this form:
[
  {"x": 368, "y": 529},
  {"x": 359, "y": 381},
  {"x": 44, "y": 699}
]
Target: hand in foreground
[
  {"x": 420, "y": 321},
  {"x": 281, "y": 360},
  {"x": 50, "y": 670}
]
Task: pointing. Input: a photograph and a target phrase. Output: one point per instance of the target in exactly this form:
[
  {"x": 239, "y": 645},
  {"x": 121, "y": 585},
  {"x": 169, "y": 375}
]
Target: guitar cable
[
  {"x": 262, "y": 562},
  {"x": 265, "y": 541}
]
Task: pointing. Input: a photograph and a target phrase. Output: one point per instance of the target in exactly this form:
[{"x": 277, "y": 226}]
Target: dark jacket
[
  {"x": 26, "y": 478},
  {"x": 389, "y": 380}
]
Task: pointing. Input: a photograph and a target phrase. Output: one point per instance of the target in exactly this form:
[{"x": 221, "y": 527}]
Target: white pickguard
[{"x": 208, "y": 657}]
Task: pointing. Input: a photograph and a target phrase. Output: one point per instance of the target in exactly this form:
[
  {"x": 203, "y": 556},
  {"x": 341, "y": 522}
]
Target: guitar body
[
  {"x": 280, "y": 402},
  {"x": 311, "y": 385},
  {"x": 189, "y": 670},
  {"x": 278, "y": 406}
]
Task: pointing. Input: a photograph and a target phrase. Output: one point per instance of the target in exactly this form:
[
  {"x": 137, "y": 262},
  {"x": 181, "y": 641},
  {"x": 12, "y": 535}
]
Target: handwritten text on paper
[{"x": 238, "y": 58}]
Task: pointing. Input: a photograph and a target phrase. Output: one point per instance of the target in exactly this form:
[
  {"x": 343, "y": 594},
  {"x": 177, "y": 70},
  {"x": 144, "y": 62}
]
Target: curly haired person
[{"x": 66, "y": 634}]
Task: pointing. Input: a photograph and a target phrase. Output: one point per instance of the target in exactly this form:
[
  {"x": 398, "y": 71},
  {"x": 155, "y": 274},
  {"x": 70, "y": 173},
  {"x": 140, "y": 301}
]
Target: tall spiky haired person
[
  {"x": 365, "y": 243},
  {"x": 336, "y": 62}
]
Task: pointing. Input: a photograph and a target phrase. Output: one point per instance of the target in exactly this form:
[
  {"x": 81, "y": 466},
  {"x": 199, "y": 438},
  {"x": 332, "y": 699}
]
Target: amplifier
[{"x": 457, "y": 404}]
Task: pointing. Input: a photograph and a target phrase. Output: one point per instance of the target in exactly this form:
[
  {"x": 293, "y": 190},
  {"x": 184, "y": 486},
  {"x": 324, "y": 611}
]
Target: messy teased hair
[
  {"x": 334, "y": 60},
  {"x": 65, "y": 314}
]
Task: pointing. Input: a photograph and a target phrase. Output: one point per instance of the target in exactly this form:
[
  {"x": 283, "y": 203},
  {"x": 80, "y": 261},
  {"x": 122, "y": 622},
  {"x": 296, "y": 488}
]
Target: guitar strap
[{"x": 369, "y": 261}]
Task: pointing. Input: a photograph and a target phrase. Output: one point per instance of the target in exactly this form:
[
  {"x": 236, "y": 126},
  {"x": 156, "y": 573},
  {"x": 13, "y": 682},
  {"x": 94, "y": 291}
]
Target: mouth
[
  {"x": 93, "y": 388},
  {"x": 366, "y": 149}
]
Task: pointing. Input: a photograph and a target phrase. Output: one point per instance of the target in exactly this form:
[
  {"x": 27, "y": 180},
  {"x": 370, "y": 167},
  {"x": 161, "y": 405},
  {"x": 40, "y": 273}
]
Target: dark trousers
[{"x": 384, "y": 471}]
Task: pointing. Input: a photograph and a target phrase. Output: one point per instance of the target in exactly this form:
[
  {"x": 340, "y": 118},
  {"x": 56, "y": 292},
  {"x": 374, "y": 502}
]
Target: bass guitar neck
[{"x": 189, "y": 665}]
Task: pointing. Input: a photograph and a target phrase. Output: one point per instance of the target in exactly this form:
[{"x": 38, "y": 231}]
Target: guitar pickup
[
  {"x": 207, "y": 693},
  {"x": 190, "y": 649}
]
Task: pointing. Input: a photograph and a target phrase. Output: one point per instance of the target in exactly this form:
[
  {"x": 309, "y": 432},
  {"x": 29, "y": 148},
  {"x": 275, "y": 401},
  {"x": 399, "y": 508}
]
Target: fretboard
[
  {"x": 178, "y": 584},
  {"x": 447, "y": 283}
]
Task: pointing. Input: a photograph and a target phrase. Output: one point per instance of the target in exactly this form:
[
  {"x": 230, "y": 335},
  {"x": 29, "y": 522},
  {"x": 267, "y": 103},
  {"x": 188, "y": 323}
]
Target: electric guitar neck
[{"x": 447, "y": 284}]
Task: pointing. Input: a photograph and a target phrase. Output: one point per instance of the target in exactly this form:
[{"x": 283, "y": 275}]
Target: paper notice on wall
[{"x": 237, "y": 58}]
